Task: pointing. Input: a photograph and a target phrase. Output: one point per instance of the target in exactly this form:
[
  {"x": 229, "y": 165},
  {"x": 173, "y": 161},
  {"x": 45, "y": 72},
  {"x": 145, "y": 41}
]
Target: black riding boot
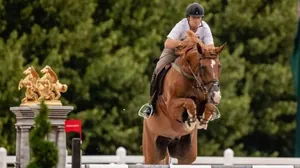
[{"x": 153, "y": 84}]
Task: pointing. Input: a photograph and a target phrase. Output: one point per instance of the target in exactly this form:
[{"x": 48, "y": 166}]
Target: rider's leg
[
  {"x": 166, "y": 57},
  {"x": 153, "y": 83}
]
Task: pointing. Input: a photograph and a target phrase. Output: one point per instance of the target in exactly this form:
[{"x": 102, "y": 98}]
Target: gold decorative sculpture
[
  {"x": 29, "y": 82},
  {"x": 47, "y": 87}
]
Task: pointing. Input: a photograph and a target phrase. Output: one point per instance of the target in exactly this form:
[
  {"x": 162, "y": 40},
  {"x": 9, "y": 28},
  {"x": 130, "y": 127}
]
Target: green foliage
[
  {"x": 103, "y": 51},
  {"x": 44, "y": 153}
]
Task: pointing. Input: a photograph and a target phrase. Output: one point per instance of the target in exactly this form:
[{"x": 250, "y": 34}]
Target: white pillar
[
  {"x": 61, "y": 145},
  {"x": 66, "y": 161},
  {"x": 18, "y": 143},
  {"x": 228, "y": 157},
  {"x": 121, "y": 152},
  {"x": 53, "y": 134},
  {"x": 3, "y": 154},
  {"x": 24, "y": 146}
]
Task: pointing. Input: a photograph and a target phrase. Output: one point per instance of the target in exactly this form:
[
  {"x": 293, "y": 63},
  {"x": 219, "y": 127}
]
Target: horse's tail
[
  {"x": 61, "y": 87},
  {"x": 64, "y": 88}
]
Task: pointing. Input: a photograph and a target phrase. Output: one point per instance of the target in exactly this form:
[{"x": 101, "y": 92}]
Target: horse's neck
[
  {"x": 182, "y": 85},
  {"x": 53, "y": 76},
  {"x": 181, "y": 62},
  {"x": 46, "y": 76},
  {"x": 29, "y": 77},
  {"x": 179, "y": 85},
  {"x": 187, "y": 84}
]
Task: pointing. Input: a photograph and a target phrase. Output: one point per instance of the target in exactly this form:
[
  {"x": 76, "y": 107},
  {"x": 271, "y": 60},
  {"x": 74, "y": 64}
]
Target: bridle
[{"x": 199, "y": 84}]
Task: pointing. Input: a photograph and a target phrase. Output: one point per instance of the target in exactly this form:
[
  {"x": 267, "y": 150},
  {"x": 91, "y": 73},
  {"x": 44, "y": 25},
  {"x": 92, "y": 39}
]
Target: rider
[{"x": 193, "y": 21}]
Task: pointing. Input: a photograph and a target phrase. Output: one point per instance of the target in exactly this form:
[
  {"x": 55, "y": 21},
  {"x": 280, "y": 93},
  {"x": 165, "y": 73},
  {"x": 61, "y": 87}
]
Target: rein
[{"x": 199, "y": 82}]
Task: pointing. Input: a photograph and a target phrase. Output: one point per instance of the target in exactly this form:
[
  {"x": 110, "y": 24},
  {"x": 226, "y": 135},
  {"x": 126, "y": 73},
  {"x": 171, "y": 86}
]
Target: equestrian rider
[{"x": 193, "y": 21}]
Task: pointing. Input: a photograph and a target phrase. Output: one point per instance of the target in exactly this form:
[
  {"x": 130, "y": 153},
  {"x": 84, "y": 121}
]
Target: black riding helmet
[{"x": 194, "y": 9}]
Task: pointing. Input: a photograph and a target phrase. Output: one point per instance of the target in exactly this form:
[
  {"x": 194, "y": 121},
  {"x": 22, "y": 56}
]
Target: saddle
[{"x": 159, "y": 83}]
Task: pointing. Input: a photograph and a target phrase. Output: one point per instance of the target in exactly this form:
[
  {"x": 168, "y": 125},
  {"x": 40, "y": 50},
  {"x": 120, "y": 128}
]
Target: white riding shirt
[{"x": 203, "y": 32}]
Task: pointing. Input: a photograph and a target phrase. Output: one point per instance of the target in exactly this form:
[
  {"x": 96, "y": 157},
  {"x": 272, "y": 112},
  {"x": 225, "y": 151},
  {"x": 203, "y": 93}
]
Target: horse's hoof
[
  {"x": 190, "y": 126},
  {"x": 202, "y": 126}
]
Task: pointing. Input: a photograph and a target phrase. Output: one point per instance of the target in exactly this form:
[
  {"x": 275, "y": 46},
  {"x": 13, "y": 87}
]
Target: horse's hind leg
[
  {"x": 166, "y": 160},
  {"x": 185, "y": 150},
  {"x": 152, "y": 154},
  {"x": 57, "y": 95},
  {"x": 24, "y": 100}
]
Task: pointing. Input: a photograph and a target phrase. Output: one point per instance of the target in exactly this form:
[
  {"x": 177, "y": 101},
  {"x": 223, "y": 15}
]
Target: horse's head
[
  {"x": 46, "y": 69},
  {"x": 29, "y": 70},
  {"x": 49, "y": 74},
  {"x": 209, "y": 71},
  {"x": 204, "y": 65}
]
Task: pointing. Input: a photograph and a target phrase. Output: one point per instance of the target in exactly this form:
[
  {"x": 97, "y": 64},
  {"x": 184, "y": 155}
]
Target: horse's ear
[
  {"x": 190, "y": 34},
  {"x": 220, "y": 49},
  {"x": 199, "y": 48}
]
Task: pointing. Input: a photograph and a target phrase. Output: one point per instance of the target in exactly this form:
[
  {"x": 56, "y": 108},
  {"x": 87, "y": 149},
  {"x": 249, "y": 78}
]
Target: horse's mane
[
  {"x": 34, "y": 73},
  {"x": 194, "y": 43},
  {"x": 52, "y": 73},
  {"x": 191, "y": 36}
]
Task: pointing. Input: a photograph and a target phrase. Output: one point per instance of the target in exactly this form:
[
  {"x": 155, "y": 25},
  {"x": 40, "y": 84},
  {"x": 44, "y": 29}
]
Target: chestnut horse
[{"x": 190, "y": 91}]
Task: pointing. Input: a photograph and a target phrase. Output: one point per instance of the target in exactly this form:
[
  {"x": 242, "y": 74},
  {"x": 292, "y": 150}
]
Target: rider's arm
[
  {"x": 210, "y": 45},
  {"x": 174, "y": 36},
  {"x": 171, "y": 43}
]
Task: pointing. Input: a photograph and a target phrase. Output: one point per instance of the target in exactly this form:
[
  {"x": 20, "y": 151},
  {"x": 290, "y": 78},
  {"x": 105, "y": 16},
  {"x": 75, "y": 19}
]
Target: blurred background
[{"x": 104, "y": 51}]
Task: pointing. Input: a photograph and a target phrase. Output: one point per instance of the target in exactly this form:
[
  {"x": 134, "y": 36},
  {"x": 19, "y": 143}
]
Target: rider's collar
[{"x": 201, "y": 25}]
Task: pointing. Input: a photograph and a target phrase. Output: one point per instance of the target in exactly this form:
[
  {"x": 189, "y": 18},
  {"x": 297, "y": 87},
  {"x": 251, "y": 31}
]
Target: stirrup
[
  {"x": 216, "y": 114},
  {"x": 146, "y": 111}
]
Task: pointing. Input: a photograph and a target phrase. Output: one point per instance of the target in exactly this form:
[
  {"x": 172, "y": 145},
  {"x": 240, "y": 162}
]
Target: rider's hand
[{"x": 187, "y": 43}]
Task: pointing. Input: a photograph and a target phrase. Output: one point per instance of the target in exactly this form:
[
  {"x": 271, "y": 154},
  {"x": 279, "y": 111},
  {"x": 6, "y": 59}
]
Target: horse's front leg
[
  {"x": 206, "y": 116},
  {"x": 20, "y": 84},
  {"x": 180, "y": 105}
]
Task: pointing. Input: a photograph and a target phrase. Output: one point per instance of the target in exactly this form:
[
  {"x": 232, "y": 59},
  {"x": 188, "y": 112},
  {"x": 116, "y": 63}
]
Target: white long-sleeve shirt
[{"x": 203, "y": 32}]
